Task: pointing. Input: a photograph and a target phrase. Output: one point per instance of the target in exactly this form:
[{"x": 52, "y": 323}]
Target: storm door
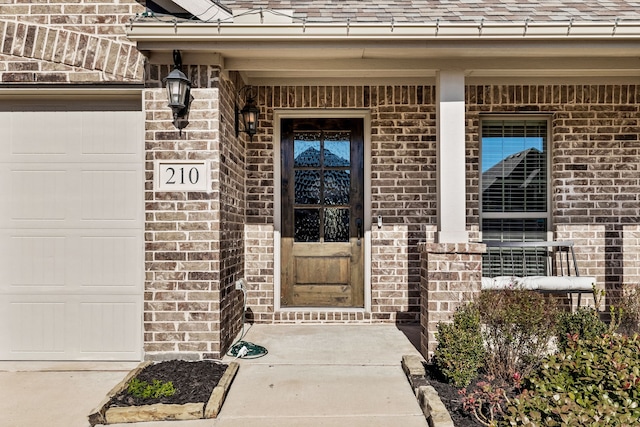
[{"x": 322, "y": 213}]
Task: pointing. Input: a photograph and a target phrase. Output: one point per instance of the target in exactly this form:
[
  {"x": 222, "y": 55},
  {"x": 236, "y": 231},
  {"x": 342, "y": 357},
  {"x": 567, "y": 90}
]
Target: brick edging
[
  {"x": 119, "y": 61},
  {"x": 428, "y": 399}
]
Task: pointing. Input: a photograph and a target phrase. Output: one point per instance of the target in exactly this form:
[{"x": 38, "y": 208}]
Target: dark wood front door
[{"x": 322, "y": 249}]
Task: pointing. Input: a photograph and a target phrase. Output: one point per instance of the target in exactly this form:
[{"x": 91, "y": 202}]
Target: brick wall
[
  {"x": 194, "y": 240},
  {"x": 403, "y": 185},
  {"x": 259, "y": 270},
  {"x": 594, "y": 178},
  {"x": 450, "y": 276},
  {"x": 595, "y": 173},
  {"x": 232, "y": 216},
  {"x": 68, "y": 42},
  {"x": 595, "y": 197},
  {"x": 595, "y": 183}
]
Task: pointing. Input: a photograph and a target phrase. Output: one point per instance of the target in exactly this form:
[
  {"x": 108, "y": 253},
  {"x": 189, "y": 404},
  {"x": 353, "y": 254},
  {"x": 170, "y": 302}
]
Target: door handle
[{"x": 359, "y": 229}]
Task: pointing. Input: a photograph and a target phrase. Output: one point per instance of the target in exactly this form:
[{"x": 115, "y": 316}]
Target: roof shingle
[{"x": 449, "y": 10}]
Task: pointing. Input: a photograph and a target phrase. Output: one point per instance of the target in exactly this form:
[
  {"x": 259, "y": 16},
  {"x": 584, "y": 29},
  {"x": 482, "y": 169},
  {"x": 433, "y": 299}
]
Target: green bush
[
  {"x": 460, "y": 350},
  {"x": 517, "y": 327},
  {"x": 592, "y": 382},
  {"x": 156, "y": 389},
  {"x": 584, "y": 322}
]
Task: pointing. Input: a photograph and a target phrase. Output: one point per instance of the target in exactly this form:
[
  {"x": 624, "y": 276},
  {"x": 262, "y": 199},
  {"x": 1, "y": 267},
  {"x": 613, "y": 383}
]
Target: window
[{"x": 514, "y": 181}]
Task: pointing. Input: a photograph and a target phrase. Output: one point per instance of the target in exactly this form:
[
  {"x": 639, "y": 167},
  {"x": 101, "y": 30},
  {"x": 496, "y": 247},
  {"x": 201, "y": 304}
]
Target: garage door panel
[
  {"x": 70, "y": 195},
  {"x": 112, "y": 133},
  {"x": 108, "y": 195},
  {"x": 37, "y": 133},
  {"x": 71, "y": 229},
  {"x": 87, "y": 136},
  {"x": 107, "y": 261},
  {"x": 107, "y": 327},
  {"x": 38, "y": 194},
  {"x": 39, "y": 327},
  {"x": 71, "y": 261},
  {"x": 71, "y": 327},
  {"x": 36, "y": 261}
]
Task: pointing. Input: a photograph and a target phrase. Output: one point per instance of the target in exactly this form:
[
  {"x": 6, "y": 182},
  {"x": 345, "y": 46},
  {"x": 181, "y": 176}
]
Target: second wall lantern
[{"x": 247, "y": 117}]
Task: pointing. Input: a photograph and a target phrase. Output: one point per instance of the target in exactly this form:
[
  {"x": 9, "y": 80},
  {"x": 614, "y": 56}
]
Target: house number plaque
[{"x": 182, "y": 175}]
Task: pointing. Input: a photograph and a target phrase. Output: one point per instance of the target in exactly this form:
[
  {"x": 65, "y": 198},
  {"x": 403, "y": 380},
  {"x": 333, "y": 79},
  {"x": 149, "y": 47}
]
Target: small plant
[
  {"x": 518, "y": 325},
  {"x": 486, "y": 402},
  {"x": 592, "y": 382},
  {"x": 155, "y": 390},
  {"x": 460, "y": 351},
  {"x": 584, "y": 322}
]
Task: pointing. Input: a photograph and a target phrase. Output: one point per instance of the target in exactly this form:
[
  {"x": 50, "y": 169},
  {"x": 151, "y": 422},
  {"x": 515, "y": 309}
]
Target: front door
[{"x": 322, "y": 213}]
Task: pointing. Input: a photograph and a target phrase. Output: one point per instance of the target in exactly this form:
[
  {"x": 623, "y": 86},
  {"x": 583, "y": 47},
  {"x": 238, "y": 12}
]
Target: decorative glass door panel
[{"x": 322, "y": 208}]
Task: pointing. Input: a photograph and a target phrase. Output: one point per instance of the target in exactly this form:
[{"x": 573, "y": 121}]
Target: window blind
[{"x": 514, "y": 179}]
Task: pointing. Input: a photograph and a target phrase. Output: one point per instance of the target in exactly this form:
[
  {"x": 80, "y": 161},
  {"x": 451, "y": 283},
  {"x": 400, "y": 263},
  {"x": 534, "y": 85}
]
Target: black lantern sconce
[
  {"x": 179, "y": 93},
  {"x": 249, "y": 114}
]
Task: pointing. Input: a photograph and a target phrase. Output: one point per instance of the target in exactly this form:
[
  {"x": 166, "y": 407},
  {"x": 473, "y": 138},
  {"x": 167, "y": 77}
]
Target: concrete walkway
[{"x": 314, "y": 375}]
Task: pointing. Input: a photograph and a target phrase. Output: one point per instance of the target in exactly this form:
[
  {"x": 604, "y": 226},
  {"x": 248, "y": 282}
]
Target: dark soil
[
  {"x": 194, "y": 382},
  {"x": 451, "y": 399}
]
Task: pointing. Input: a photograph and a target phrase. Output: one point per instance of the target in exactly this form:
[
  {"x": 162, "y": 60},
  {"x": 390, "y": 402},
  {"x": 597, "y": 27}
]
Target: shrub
[
  {"x": 584, "y": 322},
  {"x": 629, "y": 310},
  {"x": 460, "y": 350},
  {"x": 592, "y": 382},
  {"x": 156, "y": 389},
  {"x": 518, "y": 325}
]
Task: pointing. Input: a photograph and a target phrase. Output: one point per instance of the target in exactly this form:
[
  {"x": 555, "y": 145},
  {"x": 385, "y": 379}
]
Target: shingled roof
[{"x": 449, "y": 10}]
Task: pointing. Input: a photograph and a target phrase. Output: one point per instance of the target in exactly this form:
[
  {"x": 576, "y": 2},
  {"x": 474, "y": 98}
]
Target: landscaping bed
[
  {"x": 199, "y": 389},
  {"x": 451, "y": 398},
  {"x": 513, "y": 357}
]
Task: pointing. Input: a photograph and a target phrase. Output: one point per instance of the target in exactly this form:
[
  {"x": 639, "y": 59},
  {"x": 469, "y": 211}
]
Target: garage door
[{"x": 71, "y": 235}]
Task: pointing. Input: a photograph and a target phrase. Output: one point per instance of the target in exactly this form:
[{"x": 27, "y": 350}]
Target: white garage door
[{"x": 71, "y": 235}]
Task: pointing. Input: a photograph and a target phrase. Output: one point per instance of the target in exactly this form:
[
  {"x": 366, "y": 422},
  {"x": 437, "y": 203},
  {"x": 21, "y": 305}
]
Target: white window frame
[{"x": 517, "y": 215}]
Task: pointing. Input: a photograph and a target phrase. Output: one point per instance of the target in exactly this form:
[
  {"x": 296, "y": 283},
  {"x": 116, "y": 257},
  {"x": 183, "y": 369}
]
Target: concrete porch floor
[{"x": 313, "y": 375}]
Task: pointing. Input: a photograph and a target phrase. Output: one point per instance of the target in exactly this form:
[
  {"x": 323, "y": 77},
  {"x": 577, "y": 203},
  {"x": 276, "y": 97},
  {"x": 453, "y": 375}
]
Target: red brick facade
[
  {"x": 194, "y": 240},
  {"x": 450, "y": 276},
  {"x": 198, "y": 244},
  {"x": 403, "y": 193},
  {"x": 595, "y": 174},
  {"x": 68, "y": 42},
  {"x": 594, "y": 179}
]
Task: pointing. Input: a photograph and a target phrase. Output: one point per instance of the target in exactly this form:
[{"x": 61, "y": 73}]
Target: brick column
[
  {"x": 450, "y": 274},
  {"x": 182, "y": 309}
]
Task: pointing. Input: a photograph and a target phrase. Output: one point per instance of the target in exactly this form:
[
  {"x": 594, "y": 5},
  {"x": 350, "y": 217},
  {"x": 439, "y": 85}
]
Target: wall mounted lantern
[
  {"x": 179, "y": 93},
  {"x": 249, "y": 114}
]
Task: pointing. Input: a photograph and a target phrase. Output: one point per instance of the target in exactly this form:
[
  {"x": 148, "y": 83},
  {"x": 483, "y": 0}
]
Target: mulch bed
[
  {"x": 194, "y": 382},
  {"x": 450, "y": 398}
]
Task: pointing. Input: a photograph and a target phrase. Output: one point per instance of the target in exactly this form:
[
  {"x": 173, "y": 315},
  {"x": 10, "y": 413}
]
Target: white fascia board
[{"x": 207, "y": 31}]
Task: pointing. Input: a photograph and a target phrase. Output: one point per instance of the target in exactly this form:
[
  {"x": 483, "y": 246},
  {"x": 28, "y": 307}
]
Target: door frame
[{"x": 278, "y": 115}]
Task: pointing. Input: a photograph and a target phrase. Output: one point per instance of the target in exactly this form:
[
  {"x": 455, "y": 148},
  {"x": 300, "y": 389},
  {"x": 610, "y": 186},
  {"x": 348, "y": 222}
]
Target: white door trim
[{"x": 278, "y": 115}]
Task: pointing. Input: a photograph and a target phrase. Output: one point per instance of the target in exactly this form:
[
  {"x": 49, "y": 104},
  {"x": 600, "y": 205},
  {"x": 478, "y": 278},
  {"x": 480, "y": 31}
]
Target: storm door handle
[{"x": 359, "y": 229}]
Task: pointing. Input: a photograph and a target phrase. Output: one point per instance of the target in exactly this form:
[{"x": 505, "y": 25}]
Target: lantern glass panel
[{"x": 176, "y": 91}]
